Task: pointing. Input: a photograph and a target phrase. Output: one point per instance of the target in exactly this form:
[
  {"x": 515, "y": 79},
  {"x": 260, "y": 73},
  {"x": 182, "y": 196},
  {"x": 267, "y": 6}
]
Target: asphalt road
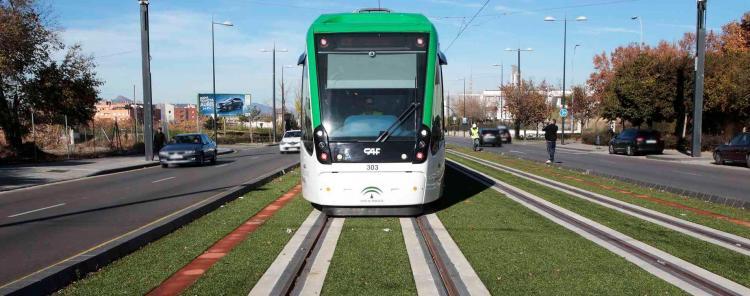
[
  {"x": 42, "y": 225},
  {"x": 730, "y": 182}
]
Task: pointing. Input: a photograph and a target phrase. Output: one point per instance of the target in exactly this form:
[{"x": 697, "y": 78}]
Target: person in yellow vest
[
  {"x": 474, "y": 133},
  {"x": 370, "y": 109}
]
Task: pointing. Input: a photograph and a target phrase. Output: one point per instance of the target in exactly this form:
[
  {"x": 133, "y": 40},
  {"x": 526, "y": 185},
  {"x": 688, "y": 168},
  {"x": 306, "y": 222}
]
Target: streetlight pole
[
  {"x": 148, "y": 138},
  {"x": 700, "y": 58},
  {"x": 518, "y": 65},
  {"x": 273, "y": 89},
  {"x": 565, "y": 48},
  {"x": 213, "y": 73},
  {"x": 283, "y": 93},
  {"x": 500, "y": 88},
  {"x": 640, "y": 22}
]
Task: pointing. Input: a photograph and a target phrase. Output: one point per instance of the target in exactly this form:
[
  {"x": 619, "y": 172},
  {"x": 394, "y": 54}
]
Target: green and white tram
[{"x": 373, "y": 117}]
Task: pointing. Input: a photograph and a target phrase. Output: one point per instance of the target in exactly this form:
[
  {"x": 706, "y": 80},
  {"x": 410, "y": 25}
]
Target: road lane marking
[
  {"x": 221, "y": 165},
  {"x": 157, "y": 181},
  {"x": 37, "y": 210},
  {"x": 686, "y": 173},
  {"x": 516, "y": 151}
]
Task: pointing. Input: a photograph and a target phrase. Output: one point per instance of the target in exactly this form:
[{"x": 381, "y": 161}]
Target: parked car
[
  {"x": 634, "y": 141},
  {"x": 490, "y": 136},
  {"x": 736, "y": 151},
  {"x": 505, "y": 134},
  {"x": 290, "y": 141},
  {"x": 230, "y": 105},
  {"x": 188, "y": 149}
]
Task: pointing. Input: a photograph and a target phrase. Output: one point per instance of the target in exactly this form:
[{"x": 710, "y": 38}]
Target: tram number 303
[{"x": 372, "y": 167}]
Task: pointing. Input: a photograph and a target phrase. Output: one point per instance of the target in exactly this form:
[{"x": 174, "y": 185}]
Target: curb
[
  {"x": 661, "y": 157},
  {"x": 72, "y": 269},
  {"x": 121, "y": 169}
]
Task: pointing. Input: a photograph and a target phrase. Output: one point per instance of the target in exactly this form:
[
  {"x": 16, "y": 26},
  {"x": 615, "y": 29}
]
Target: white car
[{"x": 291, "y": 141}]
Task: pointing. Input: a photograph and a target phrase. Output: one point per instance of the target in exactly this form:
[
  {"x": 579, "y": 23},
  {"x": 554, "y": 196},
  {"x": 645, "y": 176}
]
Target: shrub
[{"x": 589, "y": 137}]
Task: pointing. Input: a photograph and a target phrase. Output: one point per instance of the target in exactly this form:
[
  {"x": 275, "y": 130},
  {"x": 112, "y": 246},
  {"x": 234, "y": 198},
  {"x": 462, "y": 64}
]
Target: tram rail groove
[
  {"x": 684, "y": 275},
  {"x": 720, "y": 238},
  {"x": 446, "y": 281}
]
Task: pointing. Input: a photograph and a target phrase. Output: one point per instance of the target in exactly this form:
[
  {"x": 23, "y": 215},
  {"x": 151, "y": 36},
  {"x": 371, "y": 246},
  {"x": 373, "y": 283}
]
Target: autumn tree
[
  {"x": 31, "y": 81},
  {"x": 583, "y": 105},
  {"x": 526, "y": 104}
]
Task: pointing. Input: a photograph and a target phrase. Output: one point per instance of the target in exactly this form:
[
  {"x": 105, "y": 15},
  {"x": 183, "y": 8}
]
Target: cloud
[
  {"x": 505, "y": 10},
  {"x": 607, "y": 30}
]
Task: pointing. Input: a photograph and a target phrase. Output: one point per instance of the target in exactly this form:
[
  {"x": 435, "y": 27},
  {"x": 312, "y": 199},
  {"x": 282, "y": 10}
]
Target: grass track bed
[
  {"x": 719, "y": 260},
  {"x": 237, "y": 273},
  {"x": 369, "y": 260},
  {"x": 516, "y": 251},
  {"x": 595, "y": 184},
  {"x": 141, "y": 271}
]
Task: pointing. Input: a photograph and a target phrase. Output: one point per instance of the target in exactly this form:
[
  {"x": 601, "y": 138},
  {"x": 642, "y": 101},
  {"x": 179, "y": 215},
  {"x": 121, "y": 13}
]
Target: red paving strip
[
  {"x": 190, "y": 273},
  {"x": 661, "y": 201}
]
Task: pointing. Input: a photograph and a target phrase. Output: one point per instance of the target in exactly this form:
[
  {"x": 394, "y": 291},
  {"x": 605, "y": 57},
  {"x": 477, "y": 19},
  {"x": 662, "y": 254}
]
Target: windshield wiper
[{"x": 401, "y": 118}]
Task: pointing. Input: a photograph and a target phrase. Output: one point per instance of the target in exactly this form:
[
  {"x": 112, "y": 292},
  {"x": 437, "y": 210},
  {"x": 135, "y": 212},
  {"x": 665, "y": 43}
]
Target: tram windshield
[{"x": 364, "y": 91}]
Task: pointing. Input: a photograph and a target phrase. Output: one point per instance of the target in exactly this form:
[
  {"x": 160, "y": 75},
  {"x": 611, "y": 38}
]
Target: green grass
[
  {"x": 141, "y": 271},
  {"x": 518, "y": 252},
  {"x": 719, "y": 260},
  {"x": 369, "y": 260},
  {"x": 237, "y": 273},
  {"x": 559, "y": 174}
]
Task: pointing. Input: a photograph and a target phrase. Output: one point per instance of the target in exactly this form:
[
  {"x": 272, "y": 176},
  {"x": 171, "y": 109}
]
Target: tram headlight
[
  {"x": 323, "y": 151},
  {"x": 423, "y": 140}
]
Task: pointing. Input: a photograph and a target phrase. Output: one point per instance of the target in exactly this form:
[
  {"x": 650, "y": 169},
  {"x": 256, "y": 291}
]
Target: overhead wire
[{"x": 466, "y": 25}]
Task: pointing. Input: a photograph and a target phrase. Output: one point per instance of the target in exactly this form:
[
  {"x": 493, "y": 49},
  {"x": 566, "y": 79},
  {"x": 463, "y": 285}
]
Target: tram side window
[
  {"x": 307, "y": 131},
  {"x": 437, "y": 110}
]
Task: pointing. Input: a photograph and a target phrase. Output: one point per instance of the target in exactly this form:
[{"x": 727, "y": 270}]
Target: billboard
[{"x": 226, "y": 104}]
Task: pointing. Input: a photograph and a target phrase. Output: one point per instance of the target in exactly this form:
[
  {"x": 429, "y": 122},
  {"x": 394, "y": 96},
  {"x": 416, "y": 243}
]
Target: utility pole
[
  {"x": 148, "y": 137},
  {"x": 135, "y": 115},
  {"x": 273, "y": 88},
  {"x": 700, "y": 58},
  {"x": 213, "y": 74}
]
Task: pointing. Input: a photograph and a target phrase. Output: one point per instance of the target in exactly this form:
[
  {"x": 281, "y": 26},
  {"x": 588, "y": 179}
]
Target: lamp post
[
  {"x": 640, "y": 22},
  {"x": 573, "y": 96},
  {"x": 700, "y": 58},
  {"x": 565, "y": 21},
  {"x": 501, "y": 89},
  {"x": 213, "y": 73},
  {"x": 518, "y": 65},
  {"x": 283, "y": 93},
  {"x": 148, "y": 137},
  {"x": 273, "y": 87}
]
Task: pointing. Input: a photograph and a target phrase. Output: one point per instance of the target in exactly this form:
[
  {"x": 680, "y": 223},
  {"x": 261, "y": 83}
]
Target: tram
[{"x": 373, "y": 118}]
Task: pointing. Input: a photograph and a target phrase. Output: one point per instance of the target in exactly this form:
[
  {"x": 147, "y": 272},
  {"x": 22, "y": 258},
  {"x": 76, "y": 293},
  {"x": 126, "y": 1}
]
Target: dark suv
[
  {"x": 490, "y": 136},
  {"x": 736, "y": 151},
  {"x": 634, "y": 141}
]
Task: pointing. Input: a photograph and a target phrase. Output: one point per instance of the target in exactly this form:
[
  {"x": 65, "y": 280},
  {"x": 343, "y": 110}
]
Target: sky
[{"x": 180, "y": 38}]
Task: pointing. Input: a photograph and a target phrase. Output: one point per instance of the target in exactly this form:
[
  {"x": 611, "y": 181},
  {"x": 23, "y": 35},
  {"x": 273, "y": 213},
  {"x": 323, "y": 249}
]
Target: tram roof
[{"x": 372, "y": 22}]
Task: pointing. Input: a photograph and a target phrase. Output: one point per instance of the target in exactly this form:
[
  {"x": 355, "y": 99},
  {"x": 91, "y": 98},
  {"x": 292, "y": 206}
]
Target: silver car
[{"x": 291, "y": 141}]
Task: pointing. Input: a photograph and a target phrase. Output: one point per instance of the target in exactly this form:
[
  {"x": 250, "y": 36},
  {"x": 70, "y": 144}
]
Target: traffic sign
[{"x": 563, "y": 112}]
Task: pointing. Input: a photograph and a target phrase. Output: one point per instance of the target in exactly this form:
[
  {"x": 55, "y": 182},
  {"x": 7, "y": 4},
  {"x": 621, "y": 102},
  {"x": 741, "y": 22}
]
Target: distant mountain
[
  {"x": 121, "y": 99},
  {"x": 264, "y": 109}
]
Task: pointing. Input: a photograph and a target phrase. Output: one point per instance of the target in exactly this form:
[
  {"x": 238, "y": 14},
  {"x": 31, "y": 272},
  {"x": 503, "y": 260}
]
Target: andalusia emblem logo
[{"x": 371, "y": 191}]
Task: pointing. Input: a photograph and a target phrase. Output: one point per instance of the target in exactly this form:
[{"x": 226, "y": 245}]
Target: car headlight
[{"x": 162, "y": 153}]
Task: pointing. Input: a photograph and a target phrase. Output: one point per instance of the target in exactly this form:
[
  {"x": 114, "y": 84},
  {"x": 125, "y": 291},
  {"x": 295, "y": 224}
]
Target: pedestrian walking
[
  {"x": 550, "y": 135},
  {"x": 159, "y": 141}
]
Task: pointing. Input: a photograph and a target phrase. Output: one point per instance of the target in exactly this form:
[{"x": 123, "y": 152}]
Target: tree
[
  {"x": 251, "y": 117},
  {"x": 526, "y": 104},
  {"x": 31, "y": 81},
  {"x": 584, "y": 106}
]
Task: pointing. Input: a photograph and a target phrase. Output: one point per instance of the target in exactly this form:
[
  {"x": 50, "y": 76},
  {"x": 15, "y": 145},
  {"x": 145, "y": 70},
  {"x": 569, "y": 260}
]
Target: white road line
[
  {"x": 516, "y": 151},
  {"x": 157, "y": 181},
  {"x": 221, "y": 165},
  {"x": 37, "y": 210},
  {"x": 314, "y": 282},
  {"x": 686, "y": 173}
]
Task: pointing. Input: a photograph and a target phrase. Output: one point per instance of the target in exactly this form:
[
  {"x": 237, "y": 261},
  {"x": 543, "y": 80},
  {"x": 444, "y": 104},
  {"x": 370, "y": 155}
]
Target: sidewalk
[
  {"x": 28, "y": 175},
  {"x": 668, "y": 155}
]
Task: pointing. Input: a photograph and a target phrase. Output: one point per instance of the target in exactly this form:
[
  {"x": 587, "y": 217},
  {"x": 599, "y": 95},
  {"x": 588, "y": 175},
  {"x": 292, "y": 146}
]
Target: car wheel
[
  {"x": 630, "y": 151},
  {"x": 611, "y": 149},
  {"x": 164, "y": 165},
  {"x": 717, "y": 158},
  {"x": 213, "y": 160}
]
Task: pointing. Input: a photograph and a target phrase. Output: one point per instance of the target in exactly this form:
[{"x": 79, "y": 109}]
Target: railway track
[
  {"x": 684, "y": 275},
  {"x": 437, "y": 264},
  {"x": 727, "y": 240}
]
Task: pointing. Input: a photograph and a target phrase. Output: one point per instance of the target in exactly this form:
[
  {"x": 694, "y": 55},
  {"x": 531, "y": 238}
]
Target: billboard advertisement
[{"x": 226, "y": 104}]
